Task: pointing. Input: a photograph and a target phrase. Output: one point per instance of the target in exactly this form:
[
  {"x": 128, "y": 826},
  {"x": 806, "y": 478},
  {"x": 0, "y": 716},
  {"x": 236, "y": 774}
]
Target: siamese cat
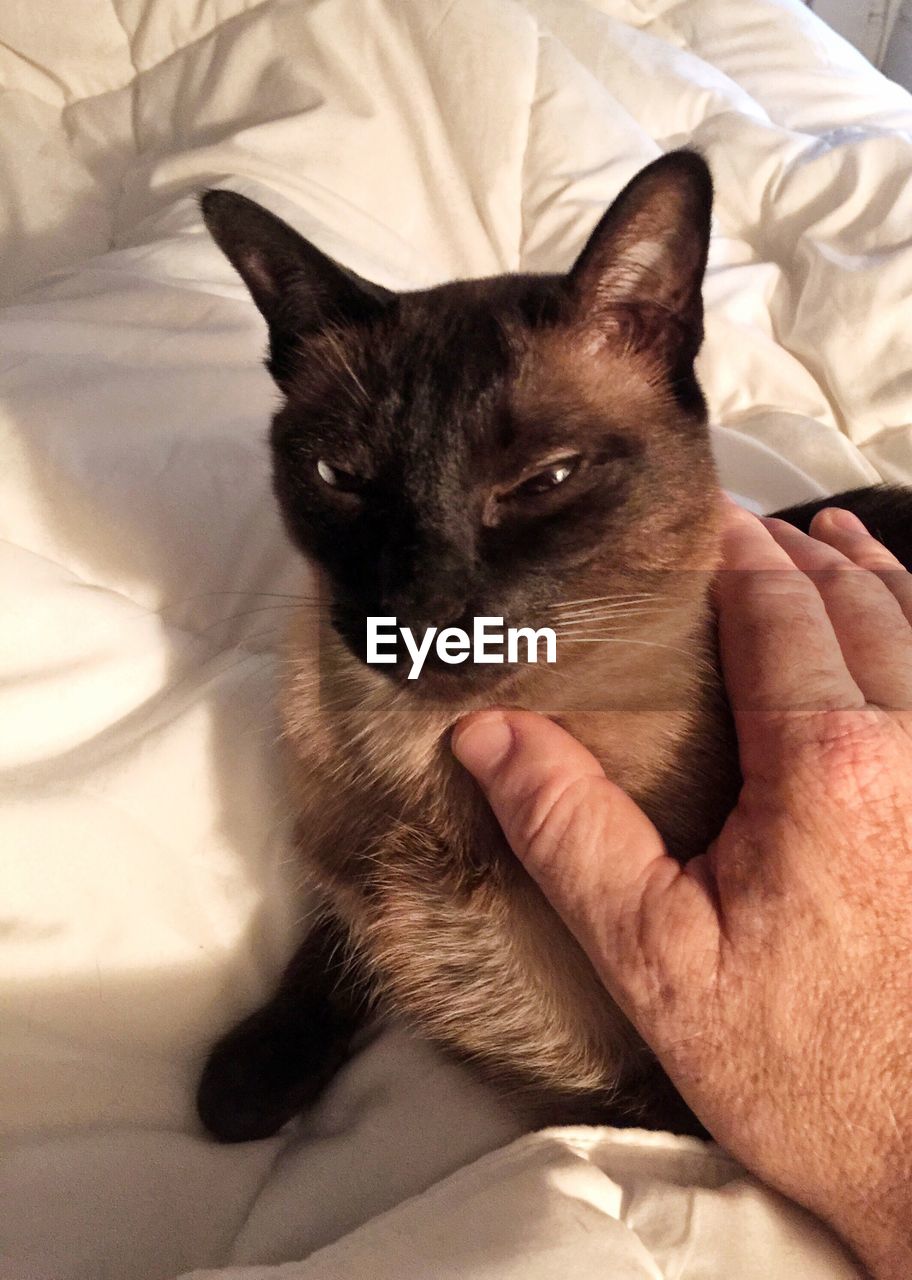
[{"x": 528, "y": 447}]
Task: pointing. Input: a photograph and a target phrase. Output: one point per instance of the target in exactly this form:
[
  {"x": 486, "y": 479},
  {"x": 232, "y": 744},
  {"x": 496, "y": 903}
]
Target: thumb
[{"x": 595, "y": 854}]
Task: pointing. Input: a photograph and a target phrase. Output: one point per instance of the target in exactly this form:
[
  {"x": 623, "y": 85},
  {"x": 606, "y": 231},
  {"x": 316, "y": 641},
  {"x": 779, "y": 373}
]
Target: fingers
[
  {"x": 778, "y": 646},
  {"x": 845, "y": 532},
  {"x": 595, "y": 854},
  {"x": 873, "y": 632}
]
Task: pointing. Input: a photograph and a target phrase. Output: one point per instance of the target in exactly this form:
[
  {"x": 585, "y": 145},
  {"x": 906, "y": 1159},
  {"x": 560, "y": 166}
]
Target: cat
[{"x": 531, "y": 447}]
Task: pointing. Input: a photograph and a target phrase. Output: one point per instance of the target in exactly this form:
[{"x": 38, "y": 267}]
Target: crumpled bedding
[{"x": 147, "y": 893}]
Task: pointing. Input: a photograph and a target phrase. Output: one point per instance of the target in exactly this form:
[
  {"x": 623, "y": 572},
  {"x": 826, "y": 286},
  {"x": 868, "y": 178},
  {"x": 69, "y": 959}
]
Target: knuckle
[
  {"x": 668, "y": 958},
  {"x": 790, "y": 586},
  {"x": 853, "y": 752},
  {"x": 550, "y": 818},
  {"x": 839, "y": 583},
  {"x": 840, "y": 787},
  {"x": 774, "y": 591},
  {"x": 851, "y": 582}
]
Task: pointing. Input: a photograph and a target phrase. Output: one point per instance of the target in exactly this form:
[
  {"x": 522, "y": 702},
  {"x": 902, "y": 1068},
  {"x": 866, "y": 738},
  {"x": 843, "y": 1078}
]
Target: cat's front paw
[{"x": 260, "y": 1075}]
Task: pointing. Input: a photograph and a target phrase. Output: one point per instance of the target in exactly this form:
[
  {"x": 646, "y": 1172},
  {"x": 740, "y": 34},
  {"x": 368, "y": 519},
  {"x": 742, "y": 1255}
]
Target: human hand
[{"x": 772, "y": 975}]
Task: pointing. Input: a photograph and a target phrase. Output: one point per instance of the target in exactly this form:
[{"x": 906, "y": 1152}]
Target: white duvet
[{"x": 146, "y": 895}]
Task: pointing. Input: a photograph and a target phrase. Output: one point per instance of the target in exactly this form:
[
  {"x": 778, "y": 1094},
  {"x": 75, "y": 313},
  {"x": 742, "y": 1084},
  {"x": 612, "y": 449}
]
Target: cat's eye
[
  {"x": 544, "y": 481},
  {"x": 336, "y": 478}
]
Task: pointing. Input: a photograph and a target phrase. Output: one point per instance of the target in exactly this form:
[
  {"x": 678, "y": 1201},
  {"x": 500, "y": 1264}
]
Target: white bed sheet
[{"x": 147, "y": 898}]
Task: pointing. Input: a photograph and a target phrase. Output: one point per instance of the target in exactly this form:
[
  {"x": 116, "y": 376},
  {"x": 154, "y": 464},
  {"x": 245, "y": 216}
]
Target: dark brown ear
[
  {"x": 298, "y": 289},
  {"x": 642, "y": 267}
]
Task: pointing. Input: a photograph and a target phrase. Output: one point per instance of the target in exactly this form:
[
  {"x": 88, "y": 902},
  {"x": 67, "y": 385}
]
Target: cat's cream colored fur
[{"x": 453, "y": 932}]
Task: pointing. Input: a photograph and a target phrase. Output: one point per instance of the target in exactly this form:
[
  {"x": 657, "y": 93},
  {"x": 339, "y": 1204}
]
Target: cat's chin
[{"x": 462, "y": 688}]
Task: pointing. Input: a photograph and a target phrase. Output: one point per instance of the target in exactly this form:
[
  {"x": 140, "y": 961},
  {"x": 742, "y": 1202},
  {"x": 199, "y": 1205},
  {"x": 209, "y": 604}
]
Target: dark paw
[{"x": 260, "y": 1075}]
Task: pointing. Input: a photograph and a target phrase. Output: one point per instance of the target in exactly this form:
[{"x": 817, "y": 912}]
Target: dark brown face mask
[{"x": 490, "y": 447}]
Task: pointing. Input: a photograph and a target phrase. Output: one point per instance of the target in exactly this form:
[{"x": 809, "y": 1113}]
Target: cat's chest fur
[{"x": 404, "y": 848}]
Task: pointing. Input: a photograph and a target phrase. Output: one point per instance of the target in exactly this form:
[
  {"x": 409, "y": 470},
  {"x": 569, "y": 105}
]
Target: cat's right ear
[
  {"x": 645, "y": 260},
  {"x": 298, "y": 289}
]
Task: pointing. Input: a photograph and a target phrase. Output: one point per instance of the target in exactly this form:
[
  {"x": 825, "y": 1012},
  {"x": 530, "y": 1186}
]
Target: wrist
[
  {"x": 880, "y": 1234},
  {"x": 886, "y": 1257}
]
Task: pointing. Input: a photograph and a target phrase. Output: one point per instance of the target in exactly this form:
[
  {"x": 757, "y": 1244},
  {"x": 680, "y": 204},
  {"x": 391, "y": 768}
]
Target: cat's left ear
[
  {"x": 298, "y": 289},
  {"x": 646, "y": 259}
]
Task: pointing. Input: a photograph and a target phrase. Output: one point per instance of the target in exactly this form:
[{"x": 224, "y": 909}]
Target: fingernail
[
  {"x": 482, "y": 742},
  {"x": 842, "y": 519}
]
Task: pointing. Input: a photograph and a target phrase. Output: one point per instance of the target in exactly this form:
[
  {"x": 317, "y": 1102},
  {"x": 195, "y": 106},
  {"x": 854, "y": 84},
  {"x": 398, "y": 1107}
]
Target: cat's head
[{"x": 491, "y": 447}]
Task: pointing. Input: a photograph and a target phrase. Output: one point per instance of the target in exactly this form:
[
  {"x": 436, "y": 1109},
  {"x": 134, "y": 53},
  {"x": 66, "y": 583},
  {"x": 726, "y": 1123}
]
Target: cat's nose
[
  {"x": 435, "y": 609},
  {"x": 434, "y": 595}
]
